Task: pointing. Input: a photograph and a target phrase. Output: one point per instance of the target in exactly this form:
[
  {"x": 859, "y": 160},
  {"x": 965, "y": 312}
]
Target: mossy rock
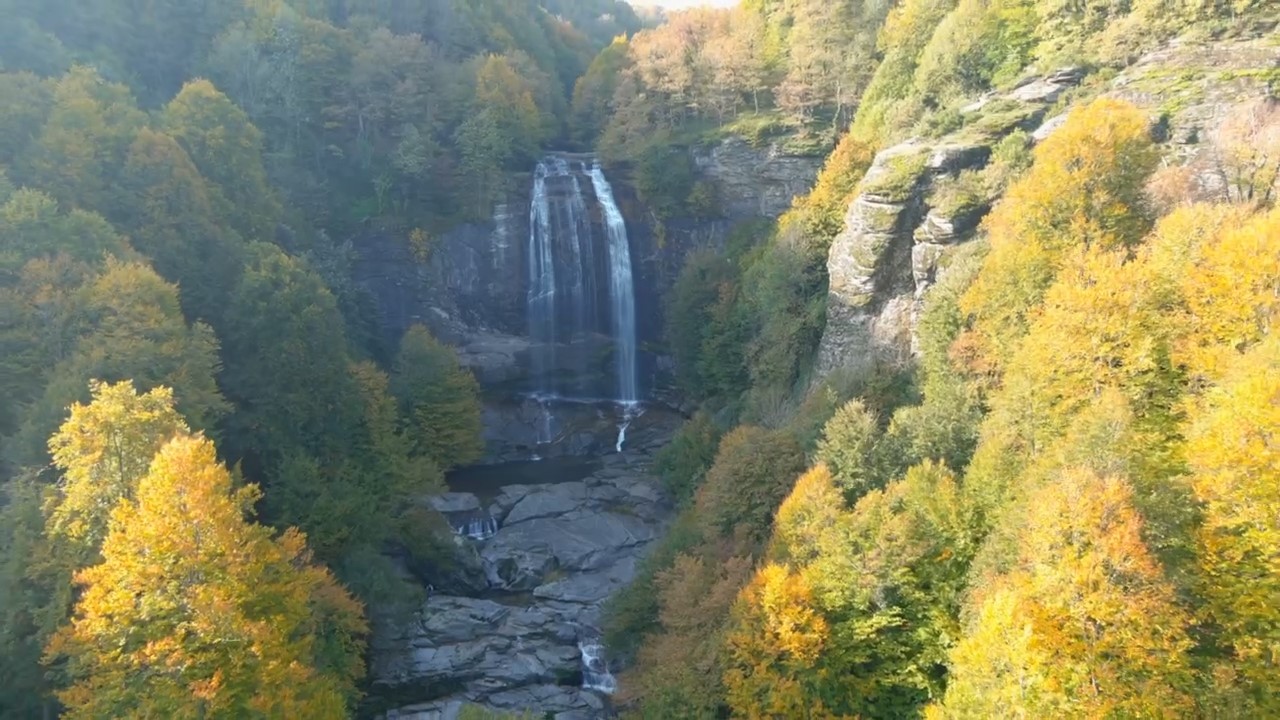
[{"x": 898, "y": 178}]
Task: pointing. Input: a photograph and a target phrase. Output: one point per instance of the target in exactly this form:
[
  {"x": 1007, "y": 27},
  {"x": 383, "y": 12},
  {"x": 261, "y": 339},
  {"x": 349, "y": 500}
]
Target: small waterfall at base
[
  {"x": 630, "y": 411},
  {"x": 622, "y": 290},
  {"x": 476, "y": 527},
  {"x": 595, "y": 671}
]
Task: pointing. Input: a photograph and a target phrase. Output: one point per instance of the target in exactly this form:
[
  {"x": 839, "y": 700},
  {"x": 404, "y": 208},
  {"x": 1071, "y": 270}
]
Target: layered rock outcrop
[
  {"x": 559, "y": 550},
  {"x": 900, "y": 229}
]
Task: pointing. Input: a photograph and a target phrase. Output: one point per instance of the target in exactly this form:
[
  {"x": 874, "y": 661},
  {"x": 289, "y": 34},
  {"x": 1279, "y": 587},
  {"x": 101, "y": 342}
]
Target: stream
[{"x": 549, "y": 541}]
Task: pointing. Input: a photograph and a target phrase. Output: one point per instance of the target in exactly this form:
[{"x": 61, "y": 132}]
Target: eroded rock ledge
[{"x": 560, "y": 550}]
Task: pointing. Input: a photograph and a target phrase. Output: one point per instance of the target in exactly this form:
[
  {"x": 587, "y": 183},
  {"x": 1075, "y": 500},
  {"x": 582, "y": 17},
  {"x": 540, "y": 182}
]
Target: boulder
[{"x": 454, "y": 502}]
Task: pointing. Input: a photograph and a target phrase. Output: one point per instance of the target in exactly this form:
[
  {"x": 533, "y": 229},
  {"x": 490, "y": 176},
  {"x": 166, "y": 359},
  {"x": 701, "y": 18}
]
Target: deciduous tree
[{"x": 198, "y": 611}]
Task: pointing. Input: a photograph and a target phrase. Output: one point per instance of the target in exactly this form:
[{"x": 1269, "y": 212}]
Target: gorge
[{"x": 547, "y": 538}]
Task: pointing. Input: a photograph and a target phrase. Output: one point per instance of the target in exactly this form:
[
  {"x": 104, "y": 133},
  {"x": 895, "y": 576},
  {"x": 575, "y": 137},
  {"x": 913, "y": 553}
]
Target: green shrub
[
  {"x": 754, "y": 470},
  {"x": 665, "y": 178},
  {"x": 1009, "y": 159},
  {"x": 685, "y": 460},
  {"x": 899, "y": 179},
  {"x": 704, "y": 327},
  {"x": 961, "y": 195},
  {"x": 940, "y": 122},
  {"x": 848, "y": 449}
]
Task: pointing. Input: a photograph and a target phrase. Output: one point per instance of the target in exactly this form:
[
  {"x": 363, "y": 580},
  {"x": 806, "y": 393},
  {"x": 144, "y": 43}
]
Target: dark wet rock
[
  {"x": 562, "y": 549},
  {"x": 454, "y": 502}
]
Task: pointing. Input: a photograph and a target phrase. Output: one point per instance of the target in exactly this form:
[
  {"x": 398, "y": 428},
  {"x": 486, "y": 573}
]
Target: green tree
[
  {"x": 167, "y": 208},
  {"x": 439, "y": 400},
  {"x": 684, "y": 462},
  {"x": 128, "y": 325},
  {"x": 84, "y": 141},
  {"x": 284, "y": 340},
  {"x": 227, "y": 149},
  {"x": 753, "y": 471}
]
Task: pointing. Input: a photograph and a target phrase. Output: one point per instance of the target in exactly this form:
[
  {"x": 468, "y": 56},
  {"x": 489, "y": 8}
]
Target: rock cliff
[
  {"x": 909, "y": 215},
  {"x": 470, "y": 284}
]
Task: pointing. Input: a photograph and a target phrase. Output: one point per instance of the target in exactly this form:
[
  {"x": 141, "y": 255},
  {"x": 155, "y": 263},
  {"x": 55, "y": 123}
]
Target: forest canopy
[{"x": 213, "y": 466}]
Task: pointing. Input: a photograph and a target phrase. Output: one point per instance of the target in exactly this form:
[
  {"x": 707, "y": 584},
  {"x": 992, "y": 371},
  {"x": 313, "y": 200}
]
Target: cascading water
[
  {"x": 477, "y": 526},
  {"x": 542, "y": 275},
  {"x": 622, "y": 293},
  {"x": 595, "y": 671},
  {"x": 571, "y": 283}
]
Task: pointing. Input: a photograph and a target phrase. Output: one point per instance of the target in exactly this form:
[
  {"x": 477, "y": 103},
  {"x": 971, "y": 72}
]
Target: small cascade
[
  {"x": 595, "y": 671},
  {"x": 621, "y": 288},
  {"x": 546, "y": 418},
  {"x": 630, "y": 411},
  {"x": 481, "y": 526}
]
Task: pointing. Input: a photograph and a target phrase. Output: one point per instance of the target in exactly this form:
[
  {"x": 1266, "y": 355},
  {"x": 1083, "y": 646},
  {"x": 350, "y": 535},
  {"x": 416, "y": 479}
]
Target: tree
[
  {"x": 103, "y": 449},
  {"x": 753, "y": 470},
  {"x": 593, "y": 92},
  {"x": 1235, "y": 458},
  {"x": 1247, "y": 145},
  {"x": 128, "y": 325},
  {"x": 848, "y": 447},
  {"x": 776, "y": 638},
  {"x": 25, "y": 101},
  {"x": 439, "y": 400},
  {"x": 285, "y": 339},
  {"x": 197, "y": 611},
  {"x": 681, "y": 668},
  {"x": 167, "y": 208},
  {"x": 25, "y": 691},
  {"x": 684, "y": 462},
  {"x": 227, "y": 149},
  {"x": 508, "y": 99},
  {"x": 1083, "y": 624},
  {"x": 84, "y": 141},
  {"x": 1085, "y": 189}
]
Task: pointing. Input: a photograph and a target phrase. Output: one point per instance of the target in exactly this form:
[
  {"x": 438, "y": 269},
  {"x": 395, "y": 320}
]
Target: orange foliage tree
[
  {"x": 1083, "y": 624},
  {"x": 197, "y": 612},
  {"x": 1234, "y": 449},
  {"x": 1086, "y": 188}
]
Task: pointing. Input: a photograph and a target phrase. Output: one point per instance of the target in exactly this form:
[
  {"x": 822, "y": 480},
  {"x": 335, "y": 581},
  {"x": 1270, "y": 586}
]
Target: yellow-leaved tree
[
  {"x": 1234, "y": 451},
  {"x": 1086, "y": 188},
  {"x": 103, "y": 450},
  {"x": 197, "y": 612},
  {"x": 1084, "y": 623}
]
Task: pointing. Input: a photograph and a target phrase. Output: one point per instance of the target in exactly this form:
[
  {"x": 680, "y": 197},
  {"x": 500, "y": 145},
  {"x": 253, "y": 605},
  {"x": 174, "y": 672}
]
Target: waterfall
[
  {"x": 621, "y": 290},
  {"x": 571, "y": 281},
  {"x": 477, "y": 526},
  {"x": 542, "y": 275},
  {"x": 595, "y": 671}
]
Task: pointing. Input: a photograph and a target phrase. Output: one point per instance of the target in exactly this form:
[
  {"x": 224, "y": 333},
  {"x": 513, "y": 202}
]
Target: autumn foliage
[{"x": 196, "y": 611}]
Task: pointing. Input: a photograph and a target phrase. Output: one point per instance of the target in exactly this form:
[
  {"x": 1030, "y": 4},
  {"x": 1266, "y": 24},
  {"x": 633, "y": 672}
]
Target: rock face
[
  {"x": 755, "y": 182},
  {"x": 560, "y": 550},
  {"x": 469, "y": 285},
  {"x": 894, "y": 241},
  {"x": 896, "y": 237}
]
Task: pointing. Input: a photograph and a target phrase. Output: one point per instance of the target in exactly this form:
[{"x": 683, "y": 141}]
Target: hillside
[
  {"x": 800, "y": 359},
  {"x": 987, "y": 334}
]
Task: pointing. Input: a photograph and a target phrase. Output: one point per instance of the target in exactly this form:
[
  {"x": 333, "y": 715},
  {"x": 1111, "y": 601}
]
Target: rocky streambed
[{"x": 546, "y": 544}]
